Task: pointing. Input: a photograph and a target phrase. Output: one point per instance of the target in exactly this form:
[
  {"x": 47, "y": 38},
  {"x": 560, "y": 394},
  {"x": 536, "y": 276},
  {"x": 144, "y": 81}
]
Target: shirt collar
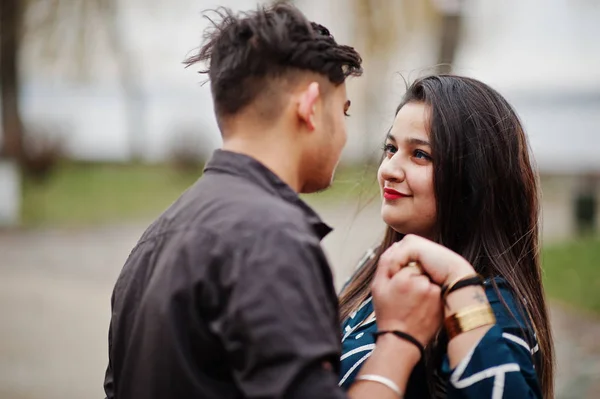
[{"x": 252, "y": 170}]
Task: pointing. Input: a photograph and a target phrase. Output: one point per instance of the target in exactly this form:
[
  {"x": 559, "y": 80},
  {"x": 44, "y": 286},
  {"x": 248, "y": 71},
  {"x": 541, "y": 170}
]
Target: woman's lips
[{"x": 391, "y": 194}]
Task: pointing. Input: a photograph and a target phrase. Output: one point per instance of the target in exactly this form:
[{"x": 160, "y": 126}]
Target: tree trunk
[
  {"x": 129, "y": 78},
  {"x": 11, "y": 14},
  {"x": 449, "y": 40},
  {"x": 450, "y": 32}
]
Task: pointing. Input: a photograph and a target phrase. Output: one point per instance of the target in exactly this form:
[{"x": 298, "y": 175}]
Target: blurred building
[{"x": 545, "y": 57}]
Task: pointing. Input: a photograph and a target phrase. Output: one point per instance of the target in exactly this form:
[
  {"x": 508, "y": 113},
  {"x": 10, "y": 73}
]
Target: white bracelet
[{"x": 382, "y": 380}]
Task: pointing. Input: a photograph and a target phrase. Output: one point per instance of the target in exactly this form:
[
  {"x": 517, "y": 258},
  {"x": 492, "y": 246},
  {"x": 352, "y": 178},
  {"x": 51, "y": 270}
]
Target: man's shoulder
[
  {"x": 269, "y": 220},
  {"x": 246, "y": 208},
  {"x": 225, "y": 207}
]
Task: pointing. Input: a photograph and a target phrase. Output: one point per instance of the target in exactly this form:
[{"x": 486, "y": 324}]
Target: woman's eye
[
  {"x": 419, "y": 154},
  {"x": 389, "y": 149}
]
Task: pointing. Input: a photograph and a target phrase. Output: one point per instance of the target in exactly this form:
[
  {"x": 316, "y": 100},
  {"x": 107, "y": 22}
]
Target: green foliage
[
  {"x": 84, "y": 194},
  {"x": 87, "y": 194},
  {"x": 572, "y": 272}
]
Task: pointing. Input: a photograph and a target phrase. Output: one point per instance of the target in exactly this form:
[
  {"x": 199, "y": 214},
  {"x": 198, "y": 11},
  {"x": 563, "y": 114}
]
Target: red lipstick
[{"x": 391, "y": 194}]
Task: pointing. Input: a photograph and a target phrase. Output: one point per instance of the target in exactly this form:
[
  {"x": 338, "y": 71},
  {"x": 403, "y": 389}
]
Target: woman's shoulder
[{"x": 510, "y": 311}]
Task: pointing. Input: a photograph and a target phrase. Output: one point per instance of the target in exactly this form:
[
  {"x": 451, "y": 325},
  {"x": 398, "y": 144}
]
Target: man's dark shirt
[{"x": 227, "y": 295}]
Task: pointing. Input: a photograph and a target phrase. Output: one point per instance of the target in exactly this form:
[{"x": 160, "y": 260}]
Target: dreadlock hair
[{"x": 249, "y": 56}]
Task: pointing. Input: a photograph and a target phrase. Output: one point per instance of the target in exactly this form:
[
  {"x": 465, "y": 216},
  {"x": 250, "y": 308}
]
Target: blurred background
[{"x": 102, "y": 128}]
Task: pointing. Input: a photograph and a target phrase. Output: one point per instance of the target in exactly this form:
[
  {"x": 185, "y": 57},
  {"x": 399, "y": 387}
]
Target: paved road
[{"x": 55, "y": 289}]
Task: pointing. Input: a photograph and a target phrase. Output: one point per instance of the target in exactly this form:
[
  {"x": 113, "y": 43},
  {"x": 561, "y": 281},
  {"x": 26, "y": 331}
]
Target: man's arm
[
  {"x": 392, "y": 358},
  {"x": 280, "y": 326},
  {"x": 109, "y": 388}
]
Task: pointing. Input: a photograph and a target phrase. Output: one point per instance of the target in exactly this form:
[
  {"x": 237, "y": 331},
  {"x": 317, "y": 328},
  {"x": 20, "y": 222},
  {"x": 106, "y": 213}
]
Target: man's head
[{"x": 273, "y": 72}]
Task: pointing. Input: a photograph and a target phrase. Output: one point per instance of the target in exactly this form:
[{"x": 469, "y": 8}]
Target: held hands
[
  {"x": 405, "y": 298},
  {"x": 408, "y": 304},
  {"x": 441, "y": 264}
]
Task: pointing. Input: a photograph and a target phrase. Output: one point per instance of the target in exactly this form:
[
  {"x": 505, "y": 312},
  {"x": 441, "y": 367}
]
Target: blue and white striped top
[{"x": 501, "y": 365}]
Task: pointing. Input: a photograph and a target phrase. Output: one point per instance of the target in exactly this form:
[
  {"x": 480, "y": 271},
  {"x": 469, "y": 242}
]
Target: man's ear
[{"x": 307, "y": 105}]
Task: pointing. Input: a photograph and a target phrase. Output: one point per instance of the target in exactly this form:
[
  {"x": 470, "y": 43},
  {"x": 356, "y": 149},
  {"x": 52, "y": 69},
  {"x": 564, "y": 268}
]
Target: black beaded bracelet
[
  {"x": 461, "y": 283},
  {"x": 404, "y": 336}
]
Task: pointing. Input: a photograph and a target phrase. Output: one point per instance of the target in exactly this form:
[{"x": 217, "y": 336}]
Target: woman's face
[{"x": 406, "y": 174}]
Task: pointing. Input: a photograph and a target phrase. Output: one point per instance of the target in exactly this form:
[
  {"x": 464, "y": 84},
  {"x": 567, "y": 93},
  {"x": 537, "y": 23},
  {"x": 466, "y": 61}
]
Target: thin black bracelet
[
  {"x": 403, "y": 336},
  {"x": 474, "y": 280}
]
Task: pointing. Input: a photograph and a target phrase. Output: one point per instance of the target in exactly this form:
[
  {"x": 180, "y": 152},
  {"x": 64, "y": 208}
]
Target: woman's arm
[
  {"x": 462, "y": 344},
  {"x": 487, "y": 361},
  {"x": 501, "y": 364}
]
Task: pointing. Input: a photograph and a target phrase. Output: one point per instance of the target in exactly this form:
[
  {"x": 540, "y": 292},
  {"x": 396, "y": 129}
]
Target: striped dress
[{"x": 501, "y": 365}]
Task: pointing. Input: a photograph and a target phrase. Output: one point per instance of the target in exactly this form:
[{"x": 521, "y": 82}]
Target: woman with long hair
[{"x": 460, "y": 196}]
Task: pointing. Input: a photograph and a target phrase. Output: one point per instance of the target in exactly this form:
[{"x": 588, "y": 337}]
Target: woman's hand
[
  {"x": 406, "y": 300},
  {"x": 440, "y": 263}
]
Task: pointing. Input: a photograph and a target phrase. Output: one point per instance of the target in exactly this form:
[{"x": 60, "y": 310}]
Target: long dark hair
[{"x": 487, "y": 202}]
